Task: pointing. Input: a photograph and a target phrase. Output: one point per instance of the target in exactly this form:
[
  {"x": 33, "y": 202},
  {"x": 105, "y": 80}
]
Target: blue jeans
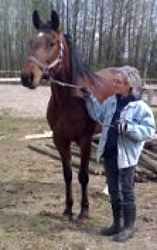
[{"x": 120, "y": 182}]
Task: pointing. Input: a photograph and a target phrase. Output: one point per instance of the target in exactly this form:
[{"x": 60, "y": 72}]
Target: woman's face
[{"x": 121, "y": 84}]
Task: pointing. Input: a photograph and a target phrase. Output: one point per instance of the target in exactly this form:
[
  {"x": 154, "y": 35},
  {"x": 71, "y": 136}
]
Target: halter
[{"x": 46, "y": 68}]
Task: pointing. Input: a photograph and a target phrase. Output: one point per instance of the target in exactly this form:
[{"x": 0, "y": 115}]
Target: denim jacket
[{"x": 140, "y": 127}]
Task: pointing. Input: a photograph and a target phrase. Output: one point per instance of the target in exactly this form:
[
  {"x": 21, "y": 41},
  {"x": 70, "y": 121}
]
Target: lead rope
[{"x": 65, "y": 84}]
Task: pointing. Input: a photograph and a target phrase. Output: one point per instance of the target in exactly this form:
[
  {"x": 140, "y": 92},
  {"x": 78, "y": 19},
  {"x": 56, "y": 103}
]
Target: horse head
[{"x": 46, "y": 51}]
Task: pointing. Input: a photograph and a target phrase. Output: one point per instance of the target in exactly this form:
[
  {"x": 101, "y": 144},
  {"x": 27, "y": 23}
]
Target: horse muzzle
[{"x": 27, "y": 81}]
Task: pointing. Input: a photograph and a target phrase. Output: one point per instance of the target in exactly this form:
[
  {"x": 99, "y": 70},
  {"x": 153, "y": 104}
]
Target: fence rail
[
  {"x": 10, "y": 80},
  {"x": 9, "y": 73}
]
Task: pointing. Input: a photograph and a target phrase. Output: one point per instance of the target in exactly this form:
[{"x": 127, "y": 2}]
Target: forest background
[{"x": 106, "y": 32}]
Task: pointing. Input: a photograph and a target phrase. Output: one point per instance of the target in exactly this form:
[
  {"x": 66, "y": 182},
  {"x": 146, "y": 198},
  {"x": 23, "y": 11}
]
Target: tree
[{"x": 107, "y": 32}]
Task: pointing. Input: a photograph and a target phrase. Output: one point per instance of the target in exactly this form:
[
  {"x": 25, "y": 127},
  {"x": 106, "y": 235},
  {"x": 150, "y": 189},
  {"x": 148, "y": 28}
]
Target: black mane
[{"x": 79, "y": 68}]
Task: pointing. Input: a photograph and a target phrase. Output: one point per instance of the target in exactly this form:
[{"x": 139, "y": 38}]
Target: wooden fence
[{"x": 7, "y": 76}]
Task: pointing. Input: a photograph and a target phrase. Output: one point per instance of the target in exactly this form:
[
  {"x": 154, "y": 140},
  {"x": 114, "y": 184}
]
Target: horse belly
[
  {"x": 72, "y": 125},
  {"x": 72, "y": 122}
]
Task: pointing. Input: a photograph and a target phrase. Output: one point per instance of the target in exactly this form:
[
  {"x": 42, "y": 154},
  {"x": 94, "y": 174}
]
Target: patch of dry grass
[{"x": 32, "y": 200}]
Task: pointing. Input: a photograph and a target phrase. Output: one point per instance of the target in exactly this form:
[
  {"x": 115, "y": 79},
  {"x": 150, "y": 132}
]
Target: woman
[{"x": 127, "y": 122}]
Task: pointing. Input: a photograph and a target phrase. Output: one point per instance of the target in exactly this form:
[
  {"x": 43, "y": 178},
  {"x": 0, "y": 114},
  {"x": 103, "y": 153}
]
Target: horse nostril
[
  {"x": 24, "y": 79},
  {"x": 31, "y": 78},
  {"x": 27, "y": 80}
]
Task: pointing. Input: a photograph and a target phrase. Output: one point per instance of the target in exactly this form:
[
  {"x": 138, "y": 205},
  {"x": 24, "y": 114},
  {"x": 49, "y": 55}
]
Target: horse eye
[{"x": 51, "y": 44}]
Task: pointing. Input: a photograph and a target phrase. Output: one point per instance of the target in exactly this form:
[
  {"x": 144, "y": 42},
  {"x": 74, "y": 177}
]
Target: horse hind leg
[
  {"x": 83, "y": 177},
  {"x": 65, "y": 154}
]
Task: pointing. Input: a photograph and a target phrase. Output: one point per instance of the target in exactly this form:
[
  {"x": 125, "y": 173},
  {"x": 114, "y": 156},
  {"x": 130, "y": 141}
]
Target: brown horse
[{"x": 51, "y": 56}]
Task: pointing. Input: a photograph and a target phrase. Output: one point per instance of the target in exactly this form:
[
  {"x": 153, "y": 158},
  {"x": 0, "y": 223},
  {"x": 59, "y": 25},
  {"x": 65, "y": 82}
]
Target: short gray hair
[{"x": 134, "y": 79}]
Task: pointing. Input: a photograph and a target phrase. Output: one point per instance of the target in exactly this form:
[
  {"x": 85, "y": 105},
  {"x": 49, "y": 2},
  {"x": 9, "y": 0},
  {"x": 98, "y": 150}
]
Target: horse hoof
[
  {"x": 82, "y": 218},
  {"x": 68, "y": 214}
]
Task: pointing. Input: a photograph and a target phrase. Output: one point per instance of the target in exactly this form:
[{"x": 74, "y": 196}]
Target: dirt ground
[
  {"x": 23, "y": 102},
  {"x": 32, "y": 196}
]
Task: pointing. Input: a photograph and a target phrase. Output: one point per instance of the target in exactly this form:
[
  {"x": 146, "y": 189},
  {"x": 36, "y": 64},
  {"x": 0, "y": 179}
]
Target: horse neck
[
  {"x": 99, "y": 86},
  {"x": 63, "y": 94}
]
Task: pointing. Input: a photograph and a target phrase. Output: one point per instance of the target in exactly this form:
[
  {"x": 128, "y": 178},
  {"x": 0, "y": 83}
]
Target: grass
[{"x": 32, "y": 184}]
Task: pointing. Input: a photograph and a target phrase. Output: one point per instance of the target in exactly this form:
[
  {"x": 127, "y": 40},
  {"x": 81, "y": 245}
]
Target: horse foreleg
[
  {"x": 84, "y": 178},
  {"x": 65, "y": 154},
  {"x": 68, "y": 190}
]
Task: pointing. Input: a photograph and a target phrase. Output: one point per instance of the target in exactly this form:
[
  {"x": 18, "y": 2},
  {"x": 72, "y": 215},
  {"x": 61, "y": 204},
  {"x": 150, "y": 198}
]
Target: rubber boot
[
  {"x": 116, "y": 227},
  {"x": 128, "y": 231}
]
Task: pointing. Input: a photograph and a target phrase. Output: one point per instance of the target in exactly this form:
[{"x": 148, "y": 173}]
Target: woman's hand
[{"x": 85, "y": 92}]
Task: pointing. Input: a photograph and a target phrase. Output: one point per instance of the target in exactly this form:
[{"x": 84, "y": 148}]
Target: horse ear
[
  {"x": 36, "y": 20},
  {"x": 54, "y": 20}
]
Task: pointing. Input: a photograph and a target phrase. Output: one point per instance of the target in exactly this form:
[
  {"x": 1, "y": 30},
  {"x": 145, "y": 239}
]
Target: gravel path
[{"x": 23, "y": 102}]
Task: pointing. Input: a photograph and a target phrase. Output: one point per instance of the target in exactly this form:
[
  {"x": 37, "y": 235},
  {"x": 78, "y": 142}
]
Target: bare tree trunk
[
  {"x": 84, "y": 36},
  {"x": 139, "y": 40},
  {"x": 130, "y": 28},
  {"x": 111, "y": 32},
  {"x": 76, "y": 8},
  {"x": 101, "y": 21},
  {"x": 67, "y": 16},
  {"x": 118, "y": 37},
  {"x": 91, "y": 53},
  {"x": 149, "y": 40}
]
